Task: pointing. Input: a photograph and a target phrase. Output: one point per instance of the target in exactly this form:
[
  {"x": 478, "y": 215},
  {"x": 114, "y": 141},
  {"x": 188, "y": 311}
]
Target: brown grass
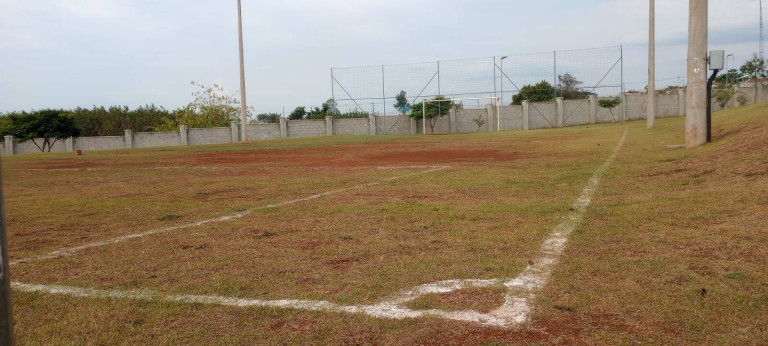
[{"x": 664, "y": 224}]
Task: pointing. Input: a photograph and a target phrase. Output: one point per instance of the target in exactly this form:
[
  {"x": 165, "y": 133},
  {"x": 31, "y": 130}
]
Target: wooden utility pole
[
  {"x": 696, "y": 95},
  {"x": 651, "y": 102},
  {"x": 243, "y": 105}
]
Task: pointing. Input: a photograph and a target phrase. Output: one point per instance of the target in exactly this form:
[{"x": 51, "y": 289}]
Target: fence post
[
  {"x": 681, "y": 101},
  {"x": 329, "y": 126},
  {"x": 372, "y": 124},
  {"x": 69, "y": 144},
  {"x": 525, "y": 114},
  {"x": 8, "y": 146},
  {"x": 759, "y": 97},
  {"x": 235, "y": 133},
  {"x": 559, "y": 111},
  {"x": 283, "y": 128},
  {"x": 184, "y": 135},
  {"x": 592, "y": 108},
  {"x": 128, "y": 139},
  {"x": 452, "y": 120},
  {"x": 414, "y": 126}
]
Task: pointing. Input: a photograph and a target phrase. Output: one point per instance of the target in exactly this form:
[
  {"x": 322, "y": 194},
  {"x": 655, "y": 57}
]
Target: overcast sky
[{"x": 68, "y": 53}]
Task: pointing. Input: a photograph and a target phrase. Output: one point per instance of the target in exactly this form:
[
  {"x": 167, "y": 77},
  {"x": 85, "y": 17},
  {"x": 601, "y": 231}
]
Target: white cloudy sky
[{"x": 67, "y": 53}]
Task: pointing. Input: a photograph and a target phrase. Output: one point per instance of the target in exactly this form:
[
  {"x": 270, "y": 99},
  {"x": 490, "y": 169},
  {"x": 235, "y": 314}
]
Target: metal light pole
[
  {"x": 696, "y": 97},
  {"x": 502, "y": 78},
  {"x": 243, "y": 105},
  {"x": 6, "y": 317},
  {"x": 651, "y": 103}
]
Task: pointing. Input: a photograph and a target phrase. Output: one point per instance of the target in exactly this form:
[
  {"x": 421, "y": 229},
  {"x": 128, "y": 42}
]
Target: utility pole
[
  {"x": 6, "y": 317},
  {"x": 696, "y": 95},
  {"x": 762, "y": 37},
  {"x": 243, "y": 105},
  {"x": 651, "y": 102}
]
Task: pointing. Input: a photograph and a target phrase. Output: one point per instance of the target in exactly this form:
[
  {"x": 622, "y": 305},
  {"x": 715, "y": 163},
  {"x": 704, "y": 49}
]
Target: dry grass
[{"x": 664, "y": 225}]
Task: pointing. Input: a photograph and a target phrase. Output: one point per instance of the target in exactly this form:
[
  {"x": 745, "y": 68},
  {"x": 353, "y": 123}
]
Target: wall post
[
  {"x": 69, "y": 144},
  {"x": 525, "y": 115},
  {"x": 8, "y": 146},
  {"x": 491, "y": 116},
  {"x": 128, "y": 139},
  {"x": 372, "y": 124},
  {"x": 184, "y": 135},
  {"x": 235, "y": 131},
  {"x": 592, "y": 108},
  {"x": 329, "y": 126},
  {"x": 559, "y": 112},
  {"x": 681, "y": 101},
  {"x": 759, "y": 86},
  {"x": 414, "y": 126},
  {"x": 283, "y": 128},
  {"x": 452, "y": 120}
]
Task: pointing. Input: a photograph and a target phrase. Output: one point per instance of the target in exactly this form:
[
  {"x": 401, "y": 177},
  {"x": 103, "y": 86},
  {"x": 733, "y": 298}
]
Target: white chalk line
[
  {"x": 66, "y": 252},
  {"x": 521, "y": 290}
]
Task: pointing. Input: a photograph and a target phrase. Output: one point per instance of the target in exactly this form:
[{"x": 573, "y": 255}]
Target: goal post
[{"x": 496, "y": 103}]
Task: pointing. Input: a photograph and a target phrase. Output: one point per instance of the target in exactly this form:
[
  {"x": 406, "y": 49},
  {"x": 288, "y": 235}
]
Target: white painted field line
[
  {"x": 514, "y": 311},
  {"x": 66, "y": 252}
]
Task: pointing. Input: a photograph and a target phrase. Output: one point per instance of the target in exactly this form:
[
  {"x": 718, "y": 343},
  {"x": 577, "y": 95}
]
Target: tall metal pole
[
  {"x": 6, "y": 316},
  {"x": 243, "y": 105},
  {"x": 555, "y": 74},
  {"x": 333, "y": 92},
  {"x": 502, "y": 78},
  {"x": 438, "y": 78},
  {"x": 623, "y": 91},
  {"x": 696, "y": 95},
  {"x": 383, "y": 92},
  {"x": 494, "y": 76},
  {"x": 651, "y": 102}
]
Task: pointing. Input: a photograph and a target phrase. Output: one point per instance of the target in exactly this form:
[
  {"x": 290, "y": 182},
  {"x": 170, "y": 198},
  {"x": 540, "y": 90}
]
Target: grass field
[{"x": 353, "y": 221}]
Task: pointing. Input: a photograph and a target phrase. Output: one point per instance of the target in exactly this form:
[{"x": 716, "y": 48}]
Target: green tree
[
  {"x": 610, "y": 104},
  {"x": 539, "y": 92},
  {"x": 211, "y": 107},
  {"x": 733, "y": 76},
  {"x": 269, "y": 118},
  {"x": 754, "y": 68},
  {"x": 298, "y": 113},
  {"x": 724, "y": 95},
  {"x": 401, "y": 102},
  {"x": 434, "y": 110},
  {"x": 50, "y": 125},
  {"x": 568, "y": 88}
]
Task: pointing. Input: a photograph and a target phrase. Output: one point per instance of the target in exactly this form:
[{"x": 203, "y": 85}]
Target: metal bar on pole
[
  {"x": 651, "y": 102},
  {"x": 623, "y": 92},
  {"x": 494, "y": 76},
  {"x": 243, "y": 105},
  {"x": 6, "y": 315},
  {"x": 383, "y": 92},
  {"x": 555, "y": 74},
  {"x": 333, "y": 92}
]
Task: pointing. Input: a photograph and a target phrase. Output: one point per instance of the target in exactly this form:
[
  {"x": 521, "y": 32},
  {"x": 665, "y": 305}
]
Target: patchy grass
[
  {"x": 664, "y": 225},
  {"x": 482, "y": 300}
]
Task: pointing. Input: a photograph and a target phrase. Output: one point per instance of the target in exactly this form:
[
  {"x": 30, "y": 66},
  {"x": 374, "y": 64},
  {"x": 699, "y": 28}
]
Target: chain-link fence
[{"x": 573, "y": 75}]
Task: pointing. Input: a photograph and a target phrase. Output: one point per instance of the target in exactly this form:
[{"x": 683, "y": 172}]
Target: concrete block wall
[
  {"x": 575, "y": 112},
  {"x": 541, "y": 115},
  {"x": 215, "y": 135},
  {"x": 351, "y": 127},
  {"x": 634, "y": 105},
  {"x": 263, "y": 131},
  {"x": 667, "y": 105},
  {"x": 306, "y": 128},
  {"x": 511, "y": 117},
  {"x": 29, "y": 147},
  {"x": 156, "y": 139},
  {"x": 99, "y": 143},
  {"x": 465, "y": 120},
  {"x": 393, "y": 125}
]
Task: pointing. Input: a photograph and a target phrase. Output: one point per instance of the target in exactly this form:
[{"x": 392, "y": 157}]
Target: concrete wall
[
  {"x": 99, "y": 143},
  {"x": 575, "y": 112},
  {"x": 511, "y": 118},
  {"x": 29, "y": 147},
  {"x": 155, "y": 139},
  {"x": 541, "y": 115},
  {"x": 347, "y": 127},
  {"x": 391, "y": 125},
  {"x": 465, "y": 120},
  {"x": 263, "y": 131},
  {"x": 306, "y": 128},
  {"x": 216, "y": 135}
]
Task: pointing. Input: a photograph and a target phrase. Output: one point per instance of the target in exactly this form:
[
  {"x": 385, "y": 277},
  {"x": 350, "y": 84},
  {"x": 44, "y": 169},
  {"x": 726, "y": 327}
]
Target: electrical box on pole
[{"x": 717, "y": 60}]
